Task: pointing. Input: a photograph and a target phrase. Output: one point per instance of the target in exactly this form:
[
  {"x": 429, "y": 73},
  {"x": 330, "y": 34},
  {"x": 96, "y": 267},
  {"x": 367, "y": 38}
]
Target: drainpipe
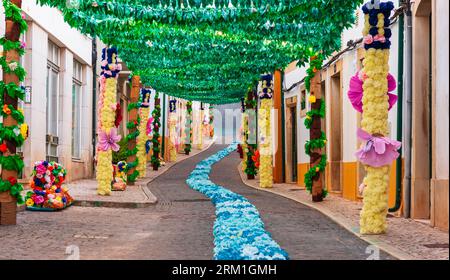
[
  {"x": 398, "y": 167},
  {"x": 283, "y": 132},
  {"x": 94, "y": 95},
  {"x": 408, "y": 110}
]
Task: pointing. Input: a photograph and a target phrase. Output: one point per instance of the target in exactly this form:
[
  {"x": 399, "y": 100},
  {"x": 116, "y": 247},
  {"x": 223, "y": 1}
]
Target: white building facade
[{"x": 59, "y": 103}]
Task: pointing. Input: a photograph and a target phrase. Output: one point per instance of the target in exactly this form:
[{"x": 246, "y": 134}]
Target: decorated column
[
  {"x": 200, "y": 127},
  {"x": 188, "y": 128},
  {"x": 244, "y": 133},
  {"x": 172, "y": 130},
  {"x": 133, "y": 132},
  {"x": 251, "y": 152},
  {"x": 378, "y": 151},
  {"x": 106, "y": 130},
  {"x": 156, "y": 114},
  {"x": 314, "y": 178},
  {"x": 211, "y": 121},
  {"x": 265, "y": 133},
  {"x": 12, "y": 127},
  {"x": 144, "y": 113}
]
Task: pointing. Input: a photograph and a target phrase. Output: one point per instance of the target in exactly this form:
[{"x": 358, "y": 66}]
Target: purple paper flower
[
  {"x": 378, "y": 151},
  {"x": 109, "y": 141}
]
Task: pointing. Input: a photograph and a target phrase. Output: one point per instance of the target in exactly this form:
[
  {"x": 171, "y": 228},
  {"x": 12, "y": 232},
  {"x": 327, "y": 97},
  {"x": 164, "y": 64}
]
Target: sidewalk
[
  {"x": 406, "y": 238},
  {"x": 138, "y": 196}
]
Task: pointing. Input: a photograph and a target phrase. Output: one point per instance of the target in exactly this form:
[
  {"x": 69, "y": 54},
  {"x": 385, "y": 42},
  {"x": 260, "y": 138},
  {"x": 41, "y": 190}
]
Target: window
[
  {"x": 52, "y": 107},
  {"x": 303, "y": 108},
  {"x": 76, "y": 109}
]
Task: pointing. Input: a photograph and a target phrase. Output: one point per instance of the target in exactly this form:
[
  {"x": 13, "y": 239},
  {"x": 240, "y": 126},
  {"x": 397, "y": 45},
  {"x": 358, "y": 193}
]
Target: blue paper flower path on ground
[{"x": 239, "y": 232}]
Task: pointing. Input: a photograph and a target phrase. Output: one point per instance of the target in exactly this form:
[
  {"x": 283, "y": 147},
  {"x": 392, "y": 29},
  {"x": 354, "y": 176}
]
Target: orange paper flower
[{"x": 6, "y": 109}]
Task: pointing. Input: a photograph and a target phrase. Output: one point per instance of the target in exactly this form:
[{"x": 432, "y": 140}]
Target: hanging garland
[
  {"x": 107, "y": 132},
  {"x": 188, "y": 128},
  {"x": 265, "y": 138},
  {"x": 312, "y": 145},
  {"x": 179, "y": 41},
  {"x": 144, "y": 113},
  {"x": 12, "y": 135},
  {"x": 156, "y": 114}
]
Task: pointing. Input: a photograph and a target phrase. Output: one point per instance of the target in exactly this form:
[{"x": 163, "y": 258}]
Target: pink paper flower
[
  {"x": 41, "y": 169},
  {"x": 38, "y": 199},
  {"x": 368, "y": 39},
  {"x": 379, "y": 38},
  {"x": 109, "y": 141},
  {"x": 355, "y": 92},
  {"x": 378, "y": 151}
]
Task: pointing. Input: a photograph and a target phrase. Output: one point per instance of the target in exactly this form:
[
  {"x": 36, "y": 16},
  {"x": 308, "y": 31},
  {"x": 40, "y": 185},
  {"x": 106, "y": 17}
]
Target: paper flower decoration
[
  {"x": 355, "y": 93},
  {"x": 6, "y": 109},
  {"x": 377, "y": 151},
  {"x": 109, "y": 140}
]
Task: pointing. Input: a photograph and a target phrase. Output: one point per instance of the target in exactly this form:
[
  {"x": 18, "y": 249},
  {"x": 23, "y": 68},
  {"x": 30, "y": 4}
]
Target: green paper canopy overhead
[{"x": 210, "y": 50}]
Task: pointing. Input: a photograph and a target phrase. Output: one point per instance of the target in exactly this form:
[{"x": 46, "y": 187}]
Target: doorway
[
  {"x": 291, "y": 140},
  {"x": 335, "y": 133}
]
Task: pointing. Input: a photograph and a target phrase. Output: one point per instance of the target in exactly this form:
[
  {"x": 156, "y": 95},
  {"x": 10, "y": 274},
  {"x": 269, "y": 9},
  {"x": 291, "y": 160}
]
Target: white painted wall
[
  {"x": 46, "y": 24},
  {"x": 442, "y": 90}
]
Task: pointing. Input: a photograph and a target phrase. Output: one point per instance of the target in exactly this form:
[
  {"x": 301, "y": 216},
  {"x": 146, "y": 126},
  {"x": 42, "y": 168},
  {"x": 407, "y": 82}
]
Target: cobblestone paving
[
  {"x": 303, "y": 232},
  {"x": 178, "y": 227}
]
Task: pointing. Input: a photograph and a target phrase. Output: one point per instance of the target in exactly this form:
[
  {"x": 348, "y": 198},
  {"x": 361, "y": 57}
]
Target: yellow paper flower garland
[
  {"x": 107, "y": 118},
  {"x": 265, "y": 146},
  {"x": 141, "y": 140},
  {"x": 173, "y": 137},
  {"x": 375, "y": 121}
]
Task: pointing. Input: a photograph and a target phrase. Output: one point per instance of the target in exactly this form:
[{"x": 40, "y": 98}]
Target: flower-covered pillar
[
  {"x": 211, "y": 121},
  {"x": 200, "y": 126},
  {"x": 106, "y": 130},
  {"x": 188, "y": 128},
  {"x": 378, "y": 151},
  {"x": 314, "y": 178},
  {"x": 156, "y": 114},
  {"x": 13, "y": 119},
  {"x": 244, "y": 133},
  {"x": 172, "y": 130},
  {"x": 265, "y": 133},
  {"x": 144, "y": 113},
  {"x": 251, "y": 152},
  {"x": 133, "y": 132}
]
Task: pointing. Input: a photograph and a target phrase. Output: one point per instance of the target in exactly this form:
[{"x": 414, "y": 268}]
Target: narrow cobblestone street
[{"x": 178, "y": 227}]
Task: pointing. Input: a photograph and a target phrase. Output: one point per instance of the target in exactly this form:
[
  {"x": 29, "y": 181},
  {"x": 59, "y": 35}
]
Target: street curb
[
  {"x": 371, "y": 239},
  {"x": 151, "y": 198}
]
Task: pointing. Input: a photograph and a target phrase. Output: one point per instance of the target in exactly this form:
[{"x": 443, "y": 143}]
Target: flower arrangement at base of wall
[
  {"x": 144, "y": 113},
  {"x": 188, "y": 128},
  {"x": 173, "y": 139},
  {"x": 239, "y": 232},
  {"x": 13, "y": 129},
  {"x": 156, "y": 114},
  {"x": 314, "y": 146},
  {"x": 377, "y": 151},
  {"x": 265, "y": 133},
  {"x": 107, "y": 132},
  {"x": 47, "y": 193}
]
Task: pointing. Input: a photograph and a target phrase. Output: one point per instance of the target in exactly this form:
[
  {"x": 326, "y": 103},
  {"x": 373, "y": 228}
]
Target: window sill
[{"x": 77, "y": 160}]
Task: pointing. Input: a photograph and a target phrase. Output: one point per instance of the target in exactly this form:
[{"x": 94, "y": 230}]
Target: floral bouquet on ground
[
  {"x": 120, "y": 176},
  {"x": 47, "y": 193}
]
